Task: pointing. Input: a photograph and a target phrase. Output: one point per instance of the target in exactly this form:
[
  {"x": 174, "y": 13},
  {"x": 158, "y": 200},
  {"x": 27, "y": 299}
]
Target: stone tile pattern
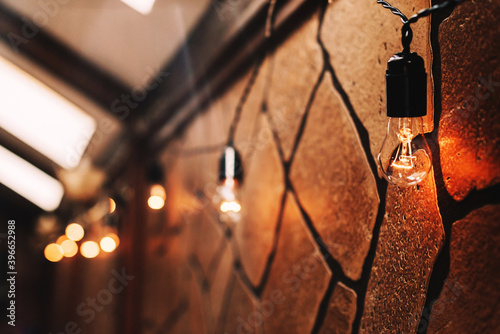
[
  {"x": 292, "y": 79},
  {"x": 261, "y": 204},
  {"x": 469, "y": 128},
  {"x": 341, "y": 311},
  {"x": 297, "y": 268},
  {"x": 341, "y": 194},
  {"x": 469, "y": 301},
  {"x": 410, "y": 238},
  {"x": 319, "y": 249}
]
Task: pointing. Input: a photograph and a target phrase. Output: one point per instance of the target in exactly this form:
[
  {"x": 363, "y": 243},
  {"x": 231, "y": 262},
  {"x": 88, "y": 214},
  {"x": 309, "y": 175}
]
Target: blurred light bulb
[
  {"x": 90, "y": 249},
  {"x": 115, "y": 238},
  {"x": 229, "y": 207},
  {"x": 109, "y": 242},
  {"x": 405, "y": 157},
  {"x": 112, "y": 205},
  {"x": 61, "y": 239},
  {"x": 75, "y": 232},
  {"x": 69, "y": 248},
  {"x": 157, "y": 197},
  {"x": 53, "y": 252}
]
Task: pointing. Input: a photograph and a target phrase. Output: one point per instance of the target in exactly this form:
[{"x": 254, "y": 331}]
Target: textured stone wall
[{"x": 324, "y": 244}]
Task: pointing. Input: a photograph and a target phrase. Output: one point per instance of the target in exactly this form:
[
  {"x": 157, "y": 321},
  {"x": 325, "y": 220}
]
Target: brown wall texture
[{"x": 324, "y": 244}]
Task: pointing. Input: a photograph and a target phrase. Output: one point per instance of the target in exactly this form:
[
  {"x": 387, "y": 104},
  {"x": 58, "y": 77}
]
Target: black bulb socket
[
  {"x": 406, "y": 86},
  {"x": 155, "y": 173}
]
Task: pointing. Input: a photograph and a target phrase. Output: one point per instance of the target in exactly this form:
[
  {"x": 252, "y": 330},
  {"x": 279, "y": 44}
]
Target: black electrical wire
[
  {"x": 255, "y": 72},
  {"x": 394, "y": 10},
  {"x": 407, "y": 33}
]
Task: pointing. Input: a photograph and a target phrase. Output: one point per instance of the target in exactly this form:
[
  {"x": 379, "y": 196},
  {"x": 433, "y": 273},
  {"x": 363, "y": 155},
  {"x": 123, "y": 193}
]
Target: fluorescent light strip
[
  {"x": 41, "y": 118},
  {"x": 142, "y": 6},
  {"x": 29, "y": 181}
]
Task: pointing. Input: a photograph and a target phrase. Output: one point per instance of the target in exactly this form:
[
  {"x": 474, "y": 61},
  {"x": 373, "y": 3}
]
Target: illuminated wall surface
[{"x": 324, "y": 245}]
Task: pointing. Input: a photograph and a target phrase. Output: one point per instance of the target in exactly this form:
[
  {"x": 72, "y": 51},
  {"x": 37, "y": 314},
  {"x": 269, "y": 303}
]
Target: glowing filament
[
  {"x": 231, "y": 206},
  {"x": 403, "y": 157}
]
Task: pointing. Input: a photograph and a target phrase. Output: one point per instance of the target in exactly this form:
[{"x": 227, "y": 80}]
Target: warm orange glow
[
  {"x": 75, "y": 232},
  {"x": 155, "y": 202},
  {"x": 90, "y": 249},
  {"x": 157, "y": 197},
  {"x": 61, "y": 239},
  {"x": 108, "y": 244},
  {"x": 112, "y": 205},
  {"x": 115, "y": 238},
  {"x": 69, "y": 248},
  {"x": 232, "y": 206},
  {"x": 53, "y": 253}
]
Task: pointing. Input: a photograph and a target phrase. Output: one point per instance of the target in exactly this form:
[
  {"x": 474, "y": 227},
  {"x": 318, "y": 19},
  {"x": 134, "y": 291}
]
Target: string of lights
[
  {"x": 230, "y": 163},
  {"x": 407, "y": 33}
]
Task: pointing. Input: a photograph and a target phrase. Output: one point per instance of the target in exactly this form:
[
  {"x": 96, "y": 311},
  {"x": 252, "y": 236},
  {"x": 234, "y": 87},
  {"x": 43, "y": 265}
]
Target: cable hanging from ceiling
[{"x": 230, "y": 174}]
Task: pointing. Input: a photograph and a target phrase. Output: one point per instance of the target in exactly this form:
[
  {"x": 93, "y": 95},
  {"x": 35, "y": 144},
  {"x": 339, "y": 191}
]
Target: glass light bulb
[
  {"x": 405, "y": 157},
  {"x": 229, "y": 206}
]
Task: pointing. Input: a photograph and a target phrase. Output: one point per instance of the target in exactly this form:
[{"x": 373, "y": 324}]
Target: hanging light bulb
[
  {"x": 112, "y": 205},
  {"x": 405, "y": 157},
  {"x": 230, "y": 177},
  {"x": 157, "y": 197},
  {"x": 157, "y": 194}
]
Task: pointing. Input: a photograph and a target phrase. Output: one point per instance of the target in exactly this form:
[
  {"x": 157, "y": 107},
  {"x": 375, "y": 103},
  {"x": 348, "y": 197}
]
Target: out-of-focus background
[{"x": 114, "y": 115}]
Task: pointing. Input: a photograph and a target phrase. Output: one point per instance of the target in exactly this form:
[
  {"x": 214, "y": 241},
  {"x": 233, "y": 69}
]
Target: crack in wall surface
[
  {"x": 450, "y": 210},
  {"x": 441, "y": 265},
  {"x": 225, "y": 304},
  {"x": 216, "y": 258},
  {"x": 362, "y": 286},
  {"x": 323, "y": 307},
  {"x": 270, "y": 259},
  {"x": 171, "y": 320}
]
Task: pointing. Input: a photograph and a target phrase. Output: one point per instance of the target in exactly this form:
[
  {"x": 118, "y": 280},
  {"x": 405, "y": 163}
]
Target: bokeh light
[
  {"x": 89, "y": 249},
  {"x": 112, "y": 205},
  {"x": 53, "y": 252},
  {"x": 108, "y": 244},
  {"x": 157, "y": 197},
  {"x": 69, "y": 248},
  {"x": 75, "y": 232},
  {"x": 61, "y": 239}
]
